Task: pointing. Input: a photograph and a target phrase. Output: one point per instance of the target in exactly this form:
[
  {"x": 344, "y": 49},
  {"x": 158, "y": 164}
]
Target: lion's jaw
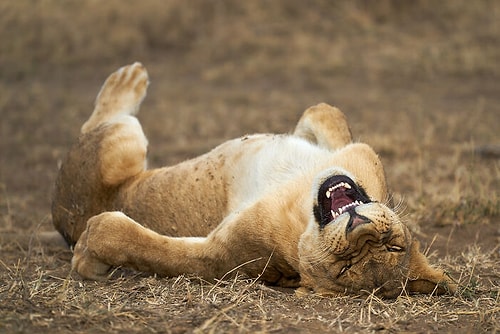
[{"x": 373, "y": 255}]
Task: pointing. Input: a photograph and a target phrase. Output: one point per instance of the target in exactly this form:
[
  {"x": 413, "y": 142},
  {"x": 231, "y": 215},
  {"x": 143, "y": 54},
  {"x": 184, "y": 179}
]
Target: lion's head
[{"x": 356, "y": 244}]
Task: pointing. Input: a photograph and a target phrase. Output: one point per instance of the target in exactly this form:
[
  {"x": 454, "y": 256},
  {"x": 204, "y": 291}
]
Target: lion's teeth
[
  {"x": 328, "y": 193},
  {"x": 341, "y": 184},
  {"x": 343, "y": 209}
]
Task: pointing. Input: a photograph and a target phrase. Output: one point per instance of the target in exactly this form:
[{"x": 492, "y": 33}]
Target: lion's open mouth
[{"x": 337, "y": 195}]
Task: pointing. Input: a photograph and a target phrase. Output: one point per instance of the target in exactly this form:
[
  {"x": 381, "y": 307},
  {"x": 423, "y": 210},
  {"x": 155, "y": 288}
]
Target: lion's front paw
[
  {"x": 85, "y": 261},
  {"x": 102, "y": 244},
  {"x": 109, "y": 241},
  {"x": 121, "y": 94}
]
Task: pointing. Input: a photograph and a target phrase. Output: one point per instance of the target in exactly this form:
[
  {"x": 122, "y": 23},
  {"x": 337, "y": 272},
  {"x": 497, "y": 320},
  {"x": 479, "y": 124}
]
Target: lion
[{"x": 307, "y": 210}]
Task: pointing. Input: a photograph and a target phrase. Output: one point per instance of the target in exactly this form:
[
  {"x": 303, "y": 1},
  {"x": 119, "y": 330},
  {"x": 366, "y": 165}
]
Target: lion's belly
[
  {"x": 188, "y": 199},
  {"x": 193, "y": 197},
  {"x": 270, "y": 167}
]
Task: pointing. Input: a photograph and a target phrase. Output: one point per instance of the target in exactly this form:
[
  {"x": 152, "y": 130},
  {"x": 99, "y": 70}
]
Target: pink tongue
[{"x": 340, "y": 199}]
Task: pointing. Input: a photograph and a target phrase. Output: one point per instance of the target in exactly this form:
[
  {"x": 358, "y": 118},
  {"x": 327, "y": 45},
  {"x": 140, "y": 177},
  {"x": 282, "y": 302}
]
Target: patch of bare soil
[{"x": 418, "y": 82}]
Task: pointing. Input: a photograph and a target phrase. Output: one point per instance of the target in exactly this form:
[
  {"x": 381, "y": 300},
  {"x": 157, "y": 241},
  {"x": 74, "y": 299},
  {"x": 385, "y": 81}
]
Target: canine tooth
[
  {"x": 347, "y": 185},
  {"x": 328, "y": 193}
]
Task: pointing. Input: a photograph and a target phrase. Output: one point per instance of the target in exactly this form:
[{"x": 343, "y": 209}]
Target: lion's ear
[{"x": 422, "y": 278}]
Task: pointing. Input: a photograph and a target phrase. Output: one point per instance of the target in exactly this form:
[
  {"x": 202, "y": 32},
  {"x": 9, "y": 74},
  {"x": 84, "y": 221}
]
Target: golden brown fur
[{"x": 301, "y": 210}]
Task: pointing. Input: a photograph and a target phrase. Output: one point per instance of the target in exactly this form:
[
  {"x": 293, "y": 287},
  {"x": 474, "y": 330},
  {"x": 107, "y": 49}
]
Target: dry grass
[
  {"x": 41, "y": 299},
  {"x": 419, "y": 82}
]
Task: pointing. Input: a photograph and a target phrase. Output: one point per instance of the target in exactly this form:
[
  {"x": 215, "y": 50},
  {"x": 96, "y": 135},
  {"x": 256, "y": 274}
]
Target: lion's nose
[{"x": 356, "y": 220}]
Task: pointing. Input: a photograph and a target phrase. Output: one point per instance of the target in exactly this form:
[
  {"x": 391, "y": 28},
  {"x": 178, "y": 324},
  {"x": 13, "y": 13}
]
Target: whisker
[{"x": 320, "y": 255}]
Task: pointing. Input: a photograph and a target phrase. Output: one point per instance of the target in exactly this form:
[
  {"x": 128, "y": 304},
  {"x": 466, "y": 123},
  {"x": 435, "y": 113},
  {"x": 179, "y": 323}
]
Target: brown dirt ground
[{"x": 418, "y": 81}]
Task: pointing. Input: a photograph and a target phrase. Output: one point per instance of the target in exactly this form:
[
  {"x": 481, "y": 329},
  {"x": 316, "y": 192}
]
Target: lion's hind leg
[
  {"x": 122, "y": 150},
  {"x": 93, "y": 171},
  {"x": 325, "y": 126},
  {"x": 111, "y": 149},
  {"x": 121, "y": 94}
]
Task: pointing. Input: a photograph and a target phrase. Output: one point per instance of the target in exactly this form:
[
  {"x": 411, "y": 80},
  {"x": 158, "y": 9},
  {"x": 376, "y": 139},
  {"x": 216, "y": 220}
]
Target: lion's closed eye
[
  {"x": 344, "y": 269},
  {"x": 395, "y": 248}
]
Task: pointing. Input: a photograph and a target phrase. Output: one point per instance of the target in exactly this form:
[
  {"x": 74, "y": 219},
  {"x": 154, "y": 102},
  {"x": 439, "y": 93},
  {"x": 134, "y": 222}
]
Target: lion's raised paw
[{"x": 122, "y": 93}]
